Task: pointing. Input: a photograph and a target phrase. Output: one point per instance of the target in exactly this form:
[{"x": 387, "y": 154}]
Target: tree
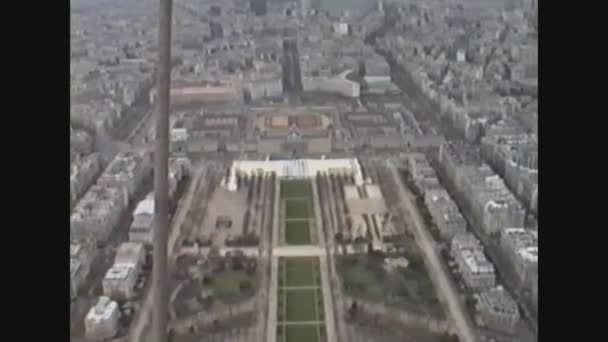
[
  {"x": 220, "y": 265},
  {"x": 238, "y": 260},
  {"x": 360, "y": 240},
  {"x": 251, "y": 266},
  {"x": 339, "y": 237},
  {"x": 354, "y": 308},
  {"x": 245, "y": 285},
  {"x": 450, "y": 338}
]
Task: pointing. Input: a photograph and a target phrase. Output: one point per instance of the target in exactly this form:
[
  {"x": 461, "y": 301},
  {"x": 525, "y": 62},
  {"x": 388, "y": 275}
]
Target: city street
[{"x": 439, "y": 275}]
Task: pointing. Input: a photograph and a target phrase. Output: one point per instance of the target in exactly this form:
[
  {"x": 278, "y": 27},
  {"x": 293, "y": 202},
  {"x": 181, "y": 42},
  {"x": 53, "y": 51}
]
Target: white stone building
[
  {"x": 265, "y": 82},
  {"x": 299, "y": 168},
  {"x": 445, "y": 213},
  {"x": 492, "y": 204},
  {"x": 98, "y": 212},
  {"x": 141, "y": 229},
  {"x": 498, "y": 310},
  {"x": 520, "y": 245},
  {"x": 128, "y": 170},
  {"x": 101, "y": 322},
  {"x": 82, "y": 174},
  {"x": 477, "y": 272},
  {"x": 119, "y": 282},
  {"x": 332, "y": 84},
  {"x": 131, "y": 254},
  {"x": 422, "y": 173},
  {"x": 78, "y": 274},
  {"x": 535, "y": 293}
]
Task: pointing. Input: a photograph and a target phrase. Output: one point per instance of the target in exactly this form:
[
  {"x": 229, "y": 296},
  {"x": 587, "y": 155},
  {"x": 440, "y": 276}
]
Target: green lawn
[
  {"x": 300, "y": 272},
  {"x": 297, "y": 232},
  {"x": 226, "y": 284},
  {"x": 297, "y": 208},
  {"x": 296, "y": 188},
  {"x": 302, "y": 333},
  {"x": 358, "y": 275},
  {"x": 301, "y": 306}
]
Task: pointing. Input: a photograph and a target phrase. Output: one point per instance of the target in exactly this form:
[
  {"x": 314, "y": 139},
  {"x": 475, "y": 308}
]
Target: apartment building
[
  {"x": 101, "y": 322},
  {"x": 445, "y": 213},
  {"x": 119, "y": 282},
  {"x": 477, "y": 272},
  {"x": 498, "y": 310},
  {"x": 520, "y": 245}
]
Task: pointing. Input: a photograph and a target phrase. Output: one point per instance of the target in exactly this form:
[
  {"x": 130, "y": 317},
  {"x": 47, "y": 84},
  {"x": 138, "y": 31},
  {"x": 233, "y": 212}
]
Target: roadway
[
  {"x": 438, "y": 273},
  {"x": 426, "y": 112},
  {"x": 145, "y": 313},
  {"x": 298, "y": 251}
]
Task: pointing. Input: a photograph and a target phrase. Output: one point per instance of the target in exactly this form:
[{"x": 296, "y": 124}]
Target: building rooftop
[
  {"x": 465, "y": 240},
  {"x": 529, "y": 254},
  {"x": 129, "y": 253},
  {"x": 83, "y": 164},
  {"x": 463, "y": 153},
  {"x": 75, "y": 249},
  {"x": 373, "y": 191},
  {"x": 124, "y": 164},
  {"x": 103, "y": 310},
  {"x": 444, "y": 202},
  {"x": 146, "y": 206},
  {"x": 74, "y": 266},
  {"x": 524, "y": 242},
  {"x": 499, "y": 301},
  {"x": 490, "y": 189},
  {"x": 351, "y": 192},
  {"x": 143, "y": 220},
  {"x": 98, "y": 201},
  {"x": 476, "y": 261},
  {"x": 118, "y": 272}
]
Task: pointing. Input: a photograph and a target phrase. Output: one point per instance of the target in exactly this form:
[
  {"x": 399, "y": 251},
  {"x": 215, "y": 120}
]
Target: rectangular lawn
[
  {"x": 302, "y": 333},
  {"x": 295, "y": 188},
  {"x": 299, "y": 310},
  {"x": 301, "y": 305},
  {"x": 297, "y": 208},
  {"x": 297, "y": 232},
  {"x": 300, "y": 272},
  {"x": 227, "y": 283}
]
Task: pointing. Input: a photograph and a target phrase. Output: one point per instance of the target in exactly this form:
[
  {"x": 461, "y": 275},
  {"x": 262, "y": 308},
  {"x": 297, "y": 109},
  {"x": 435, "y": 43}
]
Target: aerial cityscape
[{"x": 335, "y": 170}]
